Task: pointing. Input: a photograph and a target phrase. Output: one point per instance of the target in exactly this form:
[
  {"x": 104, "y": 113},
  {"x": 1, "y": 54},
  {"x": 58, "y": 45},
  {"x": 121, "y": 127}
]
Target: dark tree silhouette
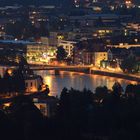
[
  {"x": 117, "y": 89},
  {"x": 78, "y": 116},
  {"x": 130, "y": 65},
  {"x": 61, "y": 54},
  {"x": 130, "y": 90},
  {"x": 101, "y": 93},
  {"x": 7, "y": 128},
  {"x": 28, "y": 119},
  {"x": 18, "y": 79}
]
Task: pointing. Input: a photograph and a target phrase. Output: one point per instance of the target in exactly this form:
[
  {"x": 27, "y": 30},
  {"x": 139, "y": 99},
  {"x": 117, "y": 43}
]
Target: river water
[{"x": 77, "y": 81}]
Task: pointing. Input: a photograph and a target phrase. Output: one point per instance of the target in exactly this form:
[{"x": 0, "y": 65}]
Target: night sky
[
  {"x": 28, "y": 2},
  {"x": 47, "y": 2}
]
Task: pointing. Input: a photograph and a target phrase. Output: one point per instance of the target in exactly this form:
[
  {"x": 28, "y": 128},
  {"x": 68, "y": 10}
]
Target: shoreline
[
  {"x": 116, "y": 75},
  {"x": 99, "y": 72},
  {"x": 109, "y": 74}
]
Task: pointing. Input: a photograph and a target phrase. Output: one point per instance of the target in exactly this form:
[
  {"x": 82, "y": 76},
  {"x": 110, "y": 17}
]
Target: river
[{"x": 77, "y": 81}]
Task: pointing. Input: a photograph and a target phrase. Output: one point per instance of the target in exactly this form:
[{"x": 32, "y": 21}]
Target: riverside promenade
[{"x": 104, "y": 72}]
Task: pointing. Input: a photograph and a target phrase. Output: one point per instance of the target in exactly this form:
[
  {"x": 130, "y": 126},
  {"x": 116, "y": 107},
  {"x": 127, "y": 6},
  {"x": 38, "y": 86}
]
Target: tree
[
  {"x": 101, "y": 93},
  {"x": 61, "y": 54},
  {"x": 19, "y": 82},
  {"x": 7, "y": 128},
  {"x": 46, "y": 91},
  {"x": 117, "y": 89},
  {"x": 130, "y": 65},
  {"x": 12, "y": 82},
  {"x": 130, "y": 90},
  {"x": 8, "y": 82},
  {"x": 27, "y": 117},
  {"x": 75, "y": 103}
]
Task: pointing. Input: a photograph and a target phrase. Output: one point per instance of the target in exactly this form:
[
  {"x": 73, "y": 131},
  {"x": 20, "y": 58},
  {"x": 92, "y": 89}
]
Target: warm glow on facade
[{"x": 99, "y": 56}]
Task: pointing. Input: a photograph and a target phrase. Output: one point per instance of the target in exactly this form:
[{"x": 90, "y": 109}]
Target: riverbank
[
  {"x": 89, "y": 70},
  {"x": 108, "y": 73},
  {"x": 116, "y": 75}
]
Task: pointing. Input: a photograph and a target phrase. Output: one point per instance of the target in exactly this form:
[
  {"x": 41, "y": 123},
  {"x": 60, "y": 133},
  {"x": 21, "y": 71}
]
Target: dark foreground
[{"x": 81, "y": 115}]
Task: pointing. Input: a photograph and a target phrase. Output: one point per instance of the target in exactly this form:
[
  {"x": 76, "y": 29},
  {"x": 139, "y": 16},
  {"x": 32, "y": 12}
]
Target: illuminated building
[
  {"x": 32, "y": 83},
  {"x": 128, "y": 3},
  {"x": 104, "y": 32},
  {"x": 97, "y": 57},
  {"x": 35, "y": 52},
  {"x": 40, "y": 53},
  {"x": 90, "y": 57},
  {"x": 3, "y": 69},
  {"x": 125, "y": 45},
  {"x": 46, "y": 104}
]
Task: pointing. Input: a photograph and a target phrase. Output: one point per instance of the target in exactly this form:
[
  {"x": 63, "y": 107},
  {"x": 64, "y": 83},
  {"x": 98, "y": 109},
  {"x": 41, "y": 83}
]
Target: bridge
[{"x": 57, "y": 68}]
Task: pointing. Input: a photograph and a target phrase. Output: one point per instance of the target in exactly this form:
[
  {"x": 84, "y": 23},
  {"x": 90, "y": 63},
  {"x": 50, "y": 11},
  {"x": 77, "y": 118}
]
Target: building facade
[
  {"x": 33, "y": 83},
  {"x": 100, "y": 56}
]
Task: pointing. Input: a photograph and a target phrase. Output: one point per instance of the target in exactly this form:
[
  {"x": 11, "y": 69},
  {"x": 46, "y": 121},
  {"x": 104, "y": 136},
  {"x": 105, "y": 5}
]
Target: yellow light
[
  {"x": 108, "y": 31},
  {"x": 7, "y": 104},
  {"x": 128, "y": 2},
  {"x": 60, "y": 37},
  {"x": 10, "y": 72}
]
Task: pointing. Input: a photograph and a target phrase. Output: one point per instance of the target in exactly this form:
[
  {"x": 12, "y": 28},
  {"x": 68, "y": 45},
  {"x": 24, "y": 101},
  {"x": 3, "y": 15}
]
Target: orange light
[{"x": 10, "y": 72}]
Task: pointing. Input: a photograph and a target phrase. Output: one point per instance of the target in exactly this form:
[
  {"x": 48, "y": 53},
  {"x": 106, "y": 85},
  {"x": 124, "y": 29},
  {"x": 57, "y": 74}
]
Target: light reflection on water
[{"x": 77, "y": 81}]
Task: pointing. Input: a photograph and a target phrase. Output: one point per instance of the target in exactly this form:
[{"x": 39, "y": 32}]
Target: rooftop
[{"x": 17, "y": 42}]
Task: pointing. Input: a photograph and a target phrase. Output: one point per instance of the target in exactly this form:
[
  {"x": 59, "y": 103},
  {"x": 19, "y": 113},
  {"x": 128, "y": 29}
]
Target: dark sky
[
  {"x": 29, "y": 2},
  {"x": 42, "y": 2}
]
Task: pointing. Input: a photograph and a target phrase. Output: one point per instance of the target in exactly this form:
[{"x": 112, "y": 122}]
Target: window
[
  {"x": 31, "y": 84},
  {"x": 26, "y": 84}
]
